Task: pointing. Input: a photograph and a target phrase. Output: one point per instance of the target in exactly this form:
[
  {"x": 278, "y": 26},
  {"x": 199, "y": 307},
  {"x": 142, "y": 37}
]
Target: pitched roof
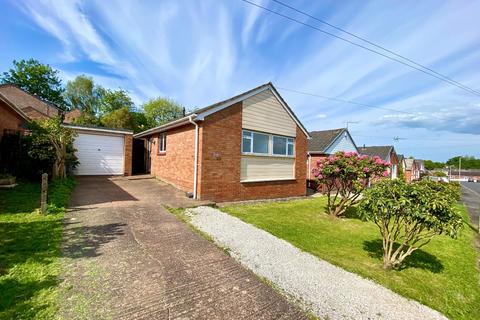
[
  {"x": 13, "y": 107},
  {"x": 26, "y": 101},
  {"x": 409, "y": 163},
  {"x": 200, "y": 114},
  {"x": 381, "y": 151},
  {"x": 321, "y": 140},
  {"x": 400, "y": 157}
]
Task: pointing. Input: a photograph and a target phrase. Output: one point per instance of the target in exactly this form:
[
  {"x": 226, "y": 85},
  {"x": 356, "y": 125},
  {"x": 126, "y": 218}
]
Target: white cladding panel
[
  {"x": 263, "y": 112},
  {"x": 257, "y": 168},
  {"x": 343, "y": 143},
  {"x": 99, "y": 154}
]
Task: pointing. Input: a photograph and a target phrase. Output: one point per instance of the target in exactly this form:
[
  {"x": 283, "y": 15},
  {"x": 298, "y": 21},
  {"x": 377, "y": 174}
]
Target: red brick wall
[
  {"x": 128, "y": 145},
  {"x": 9, "y": 119},
  {"x": 220, "y": 156},
  {"x": 175, "y": 166}
]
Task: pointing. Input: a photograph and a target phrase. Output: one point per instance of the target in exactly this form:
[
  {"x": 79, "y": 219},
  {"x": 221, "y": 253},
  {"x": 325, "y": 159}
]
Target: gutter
[
  {"x": 309, "y": 162},
  {"x": 195, "y": 168}
]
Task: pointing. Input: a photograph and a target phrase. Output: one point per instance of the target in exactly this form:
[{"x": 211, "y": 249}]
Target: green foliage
[
  {"x": 36, "y": 78},
  {"x": 432, "y": 165},
  {"x": 439, "y": 174},
  {"x": 119, "y": 119},
  {"x": 410, "y": 215},
  {"x": 345, "y": 175},
  {"x": 162, "y": 110},
  {"x": 81, "y": 93},
  {"x": 468, "y": 162},
  {"x": 54, "y": 142},
  {"x": 113, "y": 100},
  {"x": 30, "y": 251},
  {"x": 442, "y": 275},
  {"x": 142, "y": 122}
]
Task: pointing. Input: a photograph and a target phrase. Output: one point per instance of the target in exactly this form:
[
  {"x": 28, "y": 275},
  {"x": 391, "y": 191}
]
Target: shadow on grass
[
  {"x": 16, "y": 302},
  {"x": 418, "y": 259}
]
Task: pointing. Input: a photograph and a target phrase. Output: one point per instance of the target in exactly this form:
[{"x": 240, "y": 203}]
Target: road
[{"x": 471, "y": 198}]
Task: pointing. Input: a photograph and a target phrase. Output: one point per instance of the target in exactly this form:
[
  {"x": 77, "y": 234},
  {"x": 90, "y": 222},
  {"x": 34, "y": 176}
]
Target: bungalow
[
  {"x": 326, "y": 142},
  {"x": 251, "y": 146},
  {"x": 386, "y": 153}
]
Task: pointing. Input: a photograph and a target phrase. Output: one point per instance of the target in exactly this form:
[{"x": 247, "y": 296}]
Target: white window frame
[
  {"x": 290, "y": 141},
  {"x": 162, "y": 142}
]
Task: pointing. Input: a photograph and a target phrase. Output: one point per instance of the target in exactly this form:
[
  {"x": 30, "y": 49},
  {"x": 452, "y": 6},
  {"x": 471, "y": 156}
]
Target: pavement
[
  {"x": 126, "y": 257},
  {"x": 471, "y": 199}
]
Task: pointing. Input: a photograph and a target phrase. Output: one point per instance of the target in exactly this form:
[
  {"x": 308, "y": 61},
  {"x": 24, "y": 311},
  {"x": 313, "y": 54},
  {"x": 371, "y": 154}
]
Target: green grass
[
  {"x": 442, "y": 275},
  {"x": 30, "y": 250}
]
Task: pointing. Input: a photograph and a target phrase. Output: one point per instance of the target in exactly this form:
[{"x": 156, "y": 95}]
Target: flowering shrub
[{"x": 345, "y": 175}]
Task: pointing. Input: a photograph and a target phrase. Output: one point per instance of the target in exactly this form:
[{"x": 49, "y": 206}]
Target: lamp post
[{"x": 459, "y": 167}]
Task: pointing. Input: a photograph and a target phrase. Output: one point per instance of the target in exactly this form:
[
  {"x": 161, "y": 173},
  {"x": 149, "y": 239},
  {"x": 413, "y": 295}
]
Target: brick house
[
  {"x": 34, "y": 107},
  {"x": 12, "y": 119},
  {"x": 386, "y": 153},
  {"x": 251, "y": 146},
  {"x": 327, "y": 142},
  {"x": 412, "y": 170}
]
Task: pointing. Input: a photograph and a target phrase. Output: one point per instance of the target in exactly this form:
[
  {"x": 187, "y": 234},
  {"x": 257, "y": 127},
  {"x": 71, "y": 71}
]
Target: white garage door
[{"x": 99, "y": 154}]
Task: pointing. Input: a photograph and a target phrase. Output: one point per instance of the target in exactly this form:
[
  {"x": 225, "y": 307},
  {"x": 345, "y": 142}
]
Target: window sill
[
  {"x": 267, "y": 180},
  {"x": 161, "y": 153},
  {"x": 267, "y": 155}
]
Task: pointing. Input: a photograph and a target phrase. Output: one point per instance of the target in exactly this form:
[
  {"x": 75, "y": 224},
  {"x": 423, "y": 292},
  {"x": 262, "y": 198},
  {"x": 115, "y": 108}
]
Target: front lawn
[
  {"x": 442, "y": 275},
  {"x": 30, "y": 250}
]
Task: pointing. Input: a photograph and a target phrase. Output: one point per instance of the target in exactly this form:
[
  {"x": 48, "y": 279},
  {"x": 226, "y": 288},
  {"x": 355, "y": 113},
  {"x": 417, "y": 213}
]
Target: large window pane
[
  {"x": 260, "y": 143},
  {"x": 279, "y": 145}
]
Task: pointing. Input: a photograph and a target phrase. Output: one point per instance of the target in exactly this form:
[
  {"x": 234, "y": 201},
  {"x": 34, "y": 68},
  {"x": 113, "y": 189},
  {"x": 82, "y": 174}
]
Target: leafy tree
[
  {"x": 162, "y": 110},
  {"x": 142, "y": 122},
  {"x": 468, "y": 162},
  {"x": 345, "y": 175},
  {"x": 431, "y": 165},
  {"x": 408, "y": 216},
  {"x": 113, "y": 100},
  {"x": 119, "y": 119},
  {"x": 36, "y": 78},
  {"x": 51, "y": 140},
  {"x": 81, "y": 93}
]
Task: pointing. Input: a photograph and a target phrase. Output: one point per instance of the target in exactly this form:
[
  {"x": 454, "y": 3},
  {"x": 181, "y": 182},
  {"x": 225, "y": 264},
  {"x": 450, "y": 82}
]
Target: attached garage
[{"x": 102, "y": 151}]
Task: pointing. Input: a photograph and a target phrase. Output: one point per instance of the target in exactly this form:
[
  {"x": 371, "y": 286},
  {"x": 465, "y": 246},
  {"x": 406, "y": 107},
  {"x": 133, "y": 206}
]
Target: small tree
[
  {"x": 162, "y": 110},
  {"x": 345, "y": 175},
  {"x": 51, "y": 139},
  {"x": 410, "y": 215}
]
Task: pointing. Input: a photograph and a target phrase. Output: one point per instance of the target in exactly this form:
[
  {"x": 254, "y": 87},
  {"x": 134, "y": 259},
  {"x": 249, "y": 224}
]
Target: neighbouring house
[
  {"x": 327, "y": 142},
  {"x": 72, "y": 115},
  {"x": 12, "y": 119},
  {"x": 386, "y": 153},
  {"x": 251, "y": 146},
  {"x": 34, "y": 107},
  {"x": 411, "y": 170},
  {"x": 421, "y": 166}
]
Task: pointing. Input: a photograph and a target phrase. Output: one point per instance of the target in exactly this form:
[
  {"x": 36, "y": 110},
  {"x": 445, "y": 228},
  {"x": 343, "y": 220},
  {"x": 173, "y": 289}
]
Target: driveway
[{"x": 127, "y": 257}]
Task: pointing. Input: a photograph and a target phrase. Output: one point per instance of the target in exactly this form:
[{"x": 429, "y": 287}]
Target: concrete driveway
[{"x": 127, "y": 257}]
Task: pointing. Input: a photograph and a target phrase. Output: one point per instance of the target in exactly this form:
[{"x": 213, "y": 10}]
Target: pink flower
[
  {"x": 320, "y": 176},
  {"x": 385, "y": 174},
  {"x": 366, "y": 169},
  {"x": 337, "y": 170}
]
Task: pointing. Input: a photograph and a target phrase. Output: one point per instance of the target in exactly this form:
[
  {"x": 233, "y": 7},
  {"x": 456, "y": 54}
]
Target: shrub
[
  {"x": 345, "y": 175},
  {"x": 408, "y": 216}
]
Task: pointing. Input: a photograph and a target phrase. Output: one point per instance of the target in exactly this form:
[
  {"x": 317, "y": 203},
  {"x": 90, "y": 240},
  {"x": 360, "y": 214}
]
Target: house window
[
  {"x": 266, "y": 144},
  {"x": 162, "y": 142}
]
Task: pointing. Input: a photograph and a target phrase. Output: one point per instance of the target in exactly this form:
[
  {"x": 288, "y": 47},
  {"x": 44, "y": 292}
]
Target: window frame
[
  {"x": 162, "y": 143},
  {"x": 250, "y": 136}
]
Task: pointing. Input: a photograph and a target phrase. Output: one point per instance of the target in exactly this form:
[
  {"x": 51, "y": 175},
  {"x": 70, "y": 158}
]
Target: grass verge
[
  {"x": 442, "y": 275},
  {"x": 30, "y": 250}
]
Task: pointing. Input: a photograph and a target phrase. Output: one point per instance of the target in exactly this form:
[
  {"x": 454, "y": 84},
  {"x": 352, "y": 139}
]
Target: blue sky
[{"x": 201, "y": 51}]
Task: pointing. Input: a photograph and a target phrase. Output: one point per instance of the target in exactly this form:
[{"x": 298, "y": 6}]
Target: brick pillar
[{"x": 128, "y": 154}]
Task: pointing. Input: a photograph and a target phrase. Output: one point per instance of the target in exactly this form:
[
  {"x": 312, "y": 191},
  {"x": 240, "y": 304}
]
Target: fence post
[{"x": 43, "y": 199}]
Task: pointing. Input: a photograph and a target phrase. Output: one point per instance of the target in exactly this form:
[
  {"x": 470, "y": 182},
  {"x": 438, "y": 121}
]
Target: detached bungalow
[
  {"x": 326, "y": 142},
  {"x": 386, "y": 153},
  {"x": 251, "y": 146}
]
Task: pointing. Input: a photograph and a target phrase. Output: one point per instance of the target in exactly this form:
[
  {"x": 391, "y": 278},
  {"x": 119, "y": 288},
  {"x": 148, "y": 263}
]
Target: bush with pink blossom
[{"x": 345, "y": 175}]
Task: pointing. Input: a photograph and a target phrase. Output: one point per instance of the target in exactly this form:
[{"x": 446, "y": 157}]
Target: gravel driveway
[{"x": 328, "y": 291}]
